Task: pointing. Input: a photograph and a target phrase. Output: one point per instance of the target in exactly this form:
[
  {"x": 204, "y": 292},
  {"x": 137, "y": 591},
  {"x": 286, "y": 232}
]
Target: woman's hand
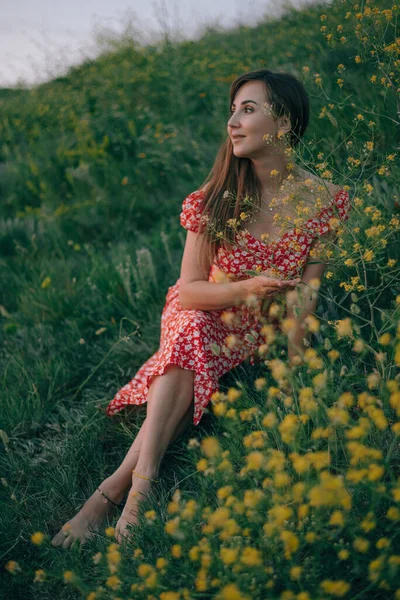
[{"x": 265, "y": 286}]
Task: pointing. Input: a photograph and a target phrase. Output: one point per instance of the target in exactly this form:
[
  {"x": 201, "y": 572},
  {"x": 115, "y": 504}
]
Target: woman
[{"x": 216, "y": 302}]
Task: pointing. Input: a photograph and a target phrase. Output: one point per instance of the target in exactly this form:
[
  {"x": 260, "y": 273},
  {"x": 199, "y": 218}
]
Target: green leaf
[{"x": 215, "y": 349}]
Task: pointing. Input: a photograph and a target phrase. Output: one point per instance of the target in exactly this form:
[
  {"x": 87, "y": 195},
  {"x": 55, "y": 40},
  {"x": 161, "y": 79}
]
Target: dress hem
[{"x": 113, "y": 408}]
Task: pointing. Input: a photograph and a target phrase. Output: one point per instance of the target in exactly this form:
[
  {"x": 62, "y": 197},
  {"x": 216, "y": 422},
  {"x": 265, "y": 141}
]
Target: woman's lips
[{"x": 238, "y": 138}]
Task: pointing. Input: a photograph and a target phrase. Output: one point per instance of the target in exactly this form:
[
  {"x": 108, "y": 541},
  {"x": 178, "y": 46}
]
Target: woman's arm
[
  {"x": 308, "y": 302},
  {"x": 305, "y": 299},
  {"x": 206, "y": 295},
  {"x": 197, "y": 293}
]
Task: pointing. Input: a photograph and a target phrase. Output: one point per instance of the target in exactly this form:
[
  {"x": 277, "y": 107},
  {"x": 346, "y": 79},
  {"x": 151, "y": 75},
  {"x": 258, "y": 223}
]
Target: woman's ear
[{"x": 284, "y": 125}]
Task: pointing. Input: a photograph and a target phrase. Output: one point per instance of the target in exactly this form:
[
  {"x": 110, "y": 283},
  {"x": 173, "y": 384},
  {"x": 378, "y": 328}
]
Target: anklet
[
  {"x": 107, "y": 498},
  {"x": 144, "y": 477}
]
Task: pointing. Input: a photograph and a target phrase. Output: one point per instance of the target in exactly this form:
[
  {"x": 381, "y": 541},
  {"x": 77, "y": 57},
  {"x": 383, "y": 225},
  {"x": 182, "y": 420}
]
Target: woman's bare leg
[
  {"x": 95, "y": 510},
  {"x": 169, "y": 405}
]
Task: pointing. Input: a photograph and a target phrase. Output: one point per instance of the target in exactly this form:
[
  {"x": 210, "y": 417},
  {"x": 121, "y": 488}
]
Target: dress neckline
[{"x": 289, "y": 231}]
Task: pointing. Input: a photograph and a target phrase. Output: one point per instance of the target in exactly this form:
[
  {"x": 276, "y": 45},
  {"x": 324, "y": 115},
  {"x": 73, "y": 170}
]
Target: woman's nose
[{"x": 232, "y": 120}]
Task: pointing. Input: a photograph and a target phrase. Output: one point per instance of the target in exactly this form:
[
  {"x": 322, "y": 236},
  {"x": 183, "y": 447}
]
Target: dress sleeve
[
  {"x": 339, "y": 208},
  {"x": 191, "y": 214}
]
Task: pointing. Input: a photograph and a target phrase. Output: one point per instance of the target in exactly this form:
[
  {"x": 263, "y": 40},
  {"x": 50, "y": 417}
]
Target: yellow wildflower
[
  {"x": 344, "y": 328},
  {"x": 161, "y": 563},
  {"x": 229, "y": 555},
  {"x": 278, "y": 369},
  {"x": 319, "y": 381},
  {"x": 37, "y": 538},
  {"x": 338, "y": 416},
  {"x": 361, "y": 544},
  {"x": 12, "y": 566},
  {"x": 269, "y": 420},
  {"x": 333, "y": 355},
  {"x": 172, "y": 526},
  {"x": 219, "y": 409},
  {"x": 232, "y": 592},
  {"x": 358, "y": 346},
  {"x": 40, "y": 575},
  {"x": 255, "y": 461},
  {"x": 307, "y": 401},
  {"x": 233, "y": 394},
  {"x": 385, "y": 339},
  {"x": 176, "y": 550},
  {"x": 319, "y": 460},
  {"x": 279, "y": 514},
  {"x": 312, "y": 359},
  {"x": 393, "y": 514},
  {"x": 168, "y": 596},
  {"x": 290, "y": 542},
  {"x": 337, "y": 518},
  {"x": 273, "y": 391},
  {"x": 368, "y": 523},
  {"x": 301, "y": 463},
  {"x": 368, "y": 255},
  {"x": 295, "y": 573},
  {"x": 251, "y": 557},
  {"x": 288, "y": 428},
  {"x": 113, "y": 582},
  {"x": 337, "y": 588},
  {"x": 282, "y": 480},
  {"x": 260, "y": 383},
  {"x": 210, "y": 446}
]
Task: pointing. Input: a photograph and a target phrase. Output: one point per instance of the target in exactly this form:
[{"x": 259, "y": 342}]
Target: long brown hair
[{"x": 286, "y": 96}]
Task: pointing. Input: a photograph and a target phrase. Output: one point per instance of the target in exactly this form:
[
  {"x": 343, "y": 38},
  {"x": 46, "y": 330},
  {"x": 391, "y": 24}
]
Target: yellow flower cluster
[
  {"x": 337, "y": 588},
  {"x": 330, "y": 492}
]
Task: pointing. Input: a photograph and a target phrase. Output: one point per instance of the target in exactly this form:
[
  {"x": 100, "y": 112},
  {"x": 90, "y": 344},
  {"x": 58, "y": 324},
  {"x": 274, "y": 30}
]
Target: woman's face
[{"x": 251, "y": 118}]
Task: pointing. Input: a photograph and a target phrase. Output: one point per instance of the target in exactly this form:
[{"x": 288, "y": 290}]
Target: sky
[{"x": 40, "y": 39}]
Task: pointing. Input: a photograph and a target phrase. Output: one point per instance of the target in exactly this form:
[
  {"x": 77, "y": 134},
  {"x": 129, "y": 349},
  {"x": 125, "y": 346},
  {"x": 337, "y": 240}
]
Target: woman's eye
[{"x": 246, "y": 108}]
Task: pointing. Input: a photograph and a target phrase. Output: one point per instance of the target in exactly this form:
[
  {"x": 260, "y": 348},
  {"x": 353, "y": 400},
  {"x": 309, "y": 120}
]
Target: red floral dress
[{"x": 211, "y": 343}]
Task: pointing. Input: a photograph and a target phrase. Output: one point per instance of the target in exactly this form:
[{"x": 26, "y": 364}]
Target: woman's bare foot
[
  {"x": 138, "y": 492},
  {"x": 90, "y": 517}
]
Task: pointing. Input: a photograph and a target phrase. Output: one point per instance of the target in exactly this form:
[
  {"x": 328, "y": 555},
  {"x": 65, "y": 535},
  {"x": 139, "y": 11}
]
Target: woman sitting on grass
[{"x": 235, "y": 258}]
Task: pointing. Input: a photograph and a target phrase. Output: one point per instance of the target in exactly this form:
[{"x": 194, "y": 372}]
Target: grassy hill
[{"x": 94, "y": 167}]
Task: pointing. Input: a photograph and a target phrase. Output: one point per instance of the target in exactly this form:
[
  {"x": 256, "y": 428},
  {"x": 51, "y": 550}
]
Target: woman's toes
[
  {"x": 118, "y": 537},
  {"x": 123, "y": 535},
  {"x": 59, "y": 538},
  {"x": 67, "y": 542}
]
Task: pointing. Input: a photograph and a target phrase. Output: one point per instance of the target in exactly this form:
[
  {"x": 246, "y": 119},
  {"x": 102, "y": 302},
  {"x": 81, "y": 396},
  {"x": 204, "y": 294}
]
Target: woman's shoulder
[
  {"x": 194, "y": 201},
  {"x": 322, "y": 195},
  {"x": 198, "y": 194},
  {"x": 318, "y": 184},
  {"x": 205, "y": 187},
  {"x": 192, "y": 209}
]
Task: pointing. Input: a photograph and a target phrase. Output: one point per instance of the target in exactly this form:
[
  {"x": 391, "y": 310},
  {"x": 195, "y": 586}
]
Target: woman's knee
[
  {"x": 180, "y": 370},
  {"x": 175, "y": 388},
  {"x": 183, "y": 377}
]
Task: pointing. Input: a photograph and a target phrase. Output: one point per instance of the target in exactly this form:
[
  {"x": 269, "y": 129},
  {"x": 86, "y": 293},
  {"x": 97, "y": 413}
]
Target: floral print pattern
[{"x": 211, "y": 343}]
